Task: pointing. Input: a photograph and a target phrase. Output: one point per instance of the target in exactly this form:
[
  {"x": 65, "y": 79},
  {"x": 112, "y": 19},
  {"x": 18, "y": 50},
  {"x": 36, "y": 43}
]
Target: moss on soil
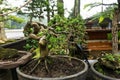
[{"x": 7, "y": 53}]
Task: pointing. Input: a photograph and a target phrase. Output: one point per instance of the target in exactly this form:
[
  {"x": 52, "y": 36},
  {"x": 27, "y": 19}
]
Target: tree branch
[
  {"x": 106, "y": 4},
  {"x": 16, "y": 8}
]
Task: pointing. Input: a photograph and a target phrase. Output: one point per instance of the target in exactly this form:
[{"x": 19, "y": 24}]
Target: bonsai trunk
[{"x": 3, "y": 37}]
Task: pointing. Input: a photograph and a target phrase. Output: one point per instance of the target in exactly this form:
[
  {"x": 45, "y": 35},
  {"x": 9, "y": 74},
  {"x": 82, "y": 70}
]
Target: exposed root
[
  {"x": 31, "y": 62},
  {"x": 46, "y": 66},
  {"x": 35, "y": 67},
  {"x": 37, "y": 62}
]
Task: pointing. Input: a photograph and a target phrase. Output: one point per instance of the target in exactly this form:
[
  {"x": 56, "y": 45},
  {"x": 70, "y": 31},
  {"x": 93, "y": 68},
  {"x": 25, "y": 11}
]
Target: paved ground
[{"x": 14, "y": 33}]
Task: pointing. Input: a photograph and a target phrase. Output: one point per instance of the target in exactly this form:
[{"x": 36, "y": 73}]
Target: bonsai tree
[
  {"x": 50, "y": 40},
  {"x": 111, "y": 61},
  {"x": 59, "y": 37},
  {"x": 108, "y": 67},
  {"x": 61, "y": 33}
]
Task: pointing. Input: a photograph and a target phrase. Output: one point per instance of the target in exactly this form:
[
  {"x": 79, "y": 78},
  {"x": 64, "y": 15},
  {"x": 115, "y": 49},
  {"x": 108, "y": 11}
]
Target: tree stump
[{"x": 115, "y": 31}]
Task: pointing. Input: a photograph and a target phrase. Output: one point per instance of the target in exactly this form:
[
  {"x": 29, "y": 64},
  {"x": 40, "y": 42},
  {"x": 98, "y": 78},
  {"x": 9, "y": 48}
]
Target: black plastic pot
[
  {"x": 78, "y": 76},
  {"x": 99, "y": 76},
  {"x": 5, "y": 74}
]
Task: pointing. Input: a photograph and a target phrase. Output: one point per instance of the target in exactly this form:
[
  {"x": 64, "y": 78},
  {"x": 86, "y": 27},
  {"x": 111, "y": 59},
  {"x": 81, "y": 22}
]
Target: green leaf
[
  {"x": 101, "y": 19},
  {"x": 92, "y": 5},
  {"x": 16, "y": 19}
]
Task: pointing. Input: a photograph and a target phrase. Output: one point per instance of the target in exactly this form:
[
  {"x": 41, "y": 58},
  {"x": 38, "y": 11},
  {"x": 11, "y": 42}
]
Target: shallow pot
[
  {"x": 77, "y": 76},
  {"x": 13, "y": 64},
  {"x": 8, "y": 68},
  {"x": 99, "y": 76}
]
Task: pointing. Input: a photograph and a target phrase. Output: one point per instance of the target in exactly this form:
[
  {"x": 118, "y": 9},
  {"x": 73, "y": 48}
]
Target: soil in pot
[
  {"x": 57, "y": 66},
  {"x": 9, "y": 54},
  {"x": 9, "y": 60},
  {"x": 12, "y": 58},
  {"x": 107, "y": 71}
]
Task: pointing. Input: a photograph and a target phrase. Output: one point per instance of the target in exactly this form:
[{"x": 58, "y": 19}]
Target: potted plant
[
  {"x": 52, "y": 67},
  {"x": 107, "y": 67},
  {"x": 62, "y": 34},
  {"x": 9, "y": 60},
  {"x": 58, "y": 73},
  {"x": 58, "y": 38}
]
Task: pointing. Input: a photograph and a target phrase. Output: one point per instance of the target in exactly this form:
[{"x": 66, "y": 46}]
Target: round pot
[
  {"x": 99, "y": 76},
  {"x": 78, "y": 76}
]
